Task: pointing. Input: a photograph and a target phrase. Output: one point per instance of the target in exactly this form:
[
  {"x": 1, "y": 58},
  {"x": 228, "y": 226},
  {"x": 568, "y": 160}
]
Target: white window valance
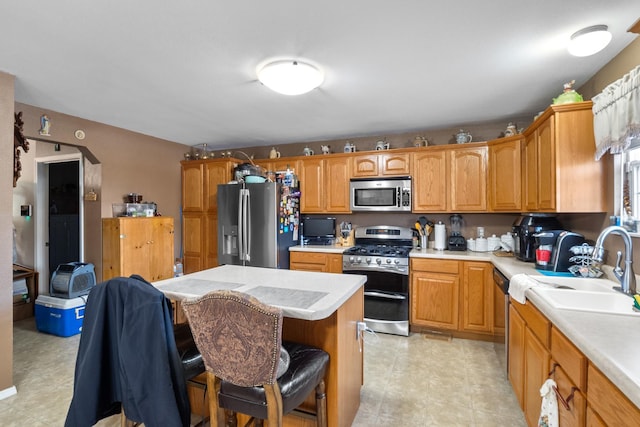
[{"x": 616, "y": 115}]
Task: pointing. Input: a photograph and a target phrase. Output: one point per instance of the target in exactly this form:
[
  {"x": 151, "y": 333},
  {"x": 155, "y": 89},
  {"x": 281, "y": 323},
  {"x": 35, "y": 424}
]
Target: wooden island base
[{"x": 336, "y": 335}]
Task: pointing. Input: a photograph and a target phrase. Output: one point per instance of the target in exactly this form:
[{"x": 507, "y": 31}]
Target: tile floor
[{"x": 408, "y": 381}]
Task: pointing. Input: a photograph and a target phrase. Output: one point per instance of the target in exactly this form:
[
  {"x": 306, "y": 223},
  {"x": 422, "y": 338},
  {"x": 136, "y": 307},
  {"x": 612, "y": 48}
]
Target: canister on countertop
[
  {"x": 440, "y": 236},
  {"x": 493, "y": 243}
]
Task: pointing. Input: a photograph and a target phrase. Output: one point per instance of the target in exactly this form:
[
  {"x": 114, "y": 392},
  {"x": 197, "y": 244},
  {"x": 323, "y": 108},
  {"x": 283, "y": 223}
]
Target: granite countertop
[{"x": 300, "y": 294}]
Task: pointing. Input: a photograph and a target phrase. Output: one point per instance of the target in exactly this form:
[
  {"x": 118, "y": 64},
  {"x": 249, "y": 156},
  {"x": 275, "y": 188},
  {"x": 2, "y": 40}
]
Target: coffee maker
[
  {"x": 553, "y": 249},
  {"x": 456, "y": 241},
  {"x": 524, "y": 227}
]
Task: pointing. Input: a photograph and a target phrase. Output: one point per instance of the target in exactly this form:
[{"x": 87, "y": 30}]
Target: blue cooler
[{"x": 59, "y": 316}]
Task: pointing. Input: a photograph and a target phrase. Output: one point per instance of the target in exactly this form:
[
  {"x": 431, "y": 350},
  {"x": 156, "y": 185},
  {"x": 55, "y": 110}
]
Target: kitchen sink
[
  {"x": 603, "y": 301},
  {"x": 577, "y": 283}
]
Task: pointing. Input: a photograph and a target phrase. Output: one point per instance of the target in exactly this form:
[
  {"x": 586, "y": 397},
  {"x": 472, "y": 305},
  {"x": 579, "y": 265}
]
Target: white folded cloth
[
  {"x": 518, "y": 285},
  {"x": 549, "y": 407}
]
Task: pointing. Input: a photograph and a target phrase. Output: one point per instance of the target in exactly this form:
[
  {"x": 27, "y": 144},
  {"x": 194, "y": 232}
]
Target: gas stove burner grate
[{"x": 379, "y": 250}]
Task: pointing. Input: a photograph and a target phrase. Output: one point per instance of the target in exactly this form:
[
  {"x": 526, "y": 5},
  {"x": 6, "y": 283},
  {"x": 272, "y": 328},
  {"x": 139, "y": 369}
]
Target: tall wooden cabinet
[
  {"x": 558, "y": 162},
  {"x": 142, "y": 246},
  {"x": 200, "y": 179}
]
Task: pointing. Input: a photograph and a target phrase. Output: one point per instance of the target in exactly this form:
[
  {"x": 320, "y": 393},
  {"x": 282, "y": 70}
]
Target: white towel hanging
[{"x": 549, "y": 407}]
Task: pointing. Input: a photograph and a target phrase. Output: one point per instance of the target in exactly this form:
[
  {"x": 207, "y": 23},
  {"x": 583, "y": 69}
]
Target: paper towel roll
[{"x": 440, "y": 237}]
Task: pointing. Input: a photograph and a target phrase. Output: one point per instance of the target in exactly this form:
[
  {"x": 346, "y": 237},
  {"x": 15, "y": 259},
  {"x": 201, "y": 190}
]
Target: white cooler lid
[{"x": 63, "y": 303}]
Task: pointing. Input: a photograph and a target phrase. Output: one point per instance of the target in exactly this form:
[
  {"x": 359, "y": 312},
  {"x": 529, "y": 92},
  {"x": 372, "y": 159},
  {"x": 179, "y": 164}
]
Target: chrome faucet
[{"x": 626, "y": 277}]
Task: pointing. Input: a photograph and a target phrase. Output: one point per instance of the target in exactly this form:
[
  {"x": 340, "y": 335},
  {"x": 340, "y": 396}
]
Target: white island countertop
[{"x": 300, "y": 294}]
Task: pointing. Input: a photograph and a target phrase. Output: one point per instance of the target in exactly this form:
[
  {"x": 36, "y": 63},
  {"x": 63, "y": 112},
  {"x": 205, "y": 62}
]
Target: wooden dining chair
[{"x": 240, "y": 340}]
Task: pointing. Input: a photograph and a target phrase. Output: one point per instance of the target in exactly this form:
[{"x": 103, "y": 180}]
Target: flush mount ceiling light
[
  {"x": 290, "y": 77},
  {"x": 589, "y": 40}
]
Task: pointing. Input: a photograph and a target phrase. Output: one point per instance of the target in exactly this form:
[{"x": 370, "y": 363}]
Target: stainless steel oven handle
[{"x": 383, "y": 295}]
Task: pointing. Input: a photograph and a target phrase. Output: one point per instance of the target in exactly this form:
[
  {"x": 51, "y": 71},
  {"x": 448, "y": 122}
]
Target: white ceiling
[{"x": 185, "y": 70}]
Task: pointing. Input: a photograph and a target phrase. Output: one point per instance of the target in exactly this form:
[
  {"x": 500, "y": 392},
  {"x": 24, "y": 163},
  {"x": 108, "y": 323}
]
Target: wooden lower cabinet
[
  {"x": 477, "y": 297},
  {"x": 453, "y": 295},
  {"x": 537, "y": 351},
  {"x": 611, "y": 405},
  {"x": 574, "y": 414},
  {"x": 315, "y": 261},
  {"x": 529, "y": 357},
  {"x": 435, "y": 290}
]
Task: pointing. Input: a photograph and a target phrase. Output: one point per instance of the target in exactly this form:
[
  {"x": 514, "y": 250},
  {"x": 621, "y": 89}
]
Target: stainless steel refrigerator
[{"x": 257, "y": 223}]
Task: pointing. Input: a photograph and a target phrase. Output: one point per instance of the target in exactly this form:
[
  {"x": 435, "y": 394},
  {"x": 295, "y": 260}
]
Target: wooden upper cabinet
[
  {"x": 365, "y": 165},
  {"x": 505, "y": 181},
  {"x": 311, "y": 178},
  {"x": 559, "y": 161},
  {"x": 429, "y": 174},
  {"x": 192, "y": 186},
  {"x": 216, "y": 172},
  {"x": 336, "y": 188},
  {"x": 468, "y": 179},
  {"x": 394, "y": 163},
  {"x": 381, "y": 163},
  {"x": 280, "y": 164}
]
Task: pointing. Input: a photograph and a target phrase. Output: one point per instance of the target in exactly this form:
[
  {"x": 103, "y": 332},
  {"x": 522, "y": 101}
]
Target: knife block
[{"x": 347, "y": 241}]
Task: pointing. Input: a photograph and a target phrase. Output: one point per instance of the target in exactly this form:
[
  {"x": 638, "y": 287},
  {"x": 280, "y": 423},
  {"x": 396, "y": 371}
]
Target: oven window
[{"x": 375, "y": 197}]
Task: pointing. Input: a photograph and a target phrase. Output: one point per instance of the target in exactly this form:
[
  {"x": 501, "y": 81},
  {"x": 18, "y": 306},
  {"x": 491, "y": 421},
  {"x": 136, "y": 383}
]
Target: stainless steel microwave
[{"x": 381, "y": 194}]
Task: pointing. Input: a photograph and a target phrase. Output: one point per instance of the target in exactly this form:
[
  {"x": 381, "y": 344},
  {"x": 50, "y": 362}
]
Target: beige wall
[
  {"x": 6, "y": 234},
  {"x": 624, "y": 62},
  {"x": 128, "y": 162}
]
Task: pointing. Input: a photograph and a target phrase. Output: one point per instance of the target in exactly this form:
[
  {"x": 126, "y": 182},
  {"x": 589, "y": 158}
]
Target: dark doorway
[{"x": 64, "y": 213}]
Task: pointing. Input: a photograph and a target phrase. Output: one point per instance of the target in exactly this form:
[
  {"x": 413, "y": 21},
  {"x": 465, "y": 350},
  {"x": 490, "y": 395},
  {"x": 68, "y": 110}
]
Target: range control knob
[
  {"x": 379, "y": 261},
  {"x": 368, "y": 260},
  {"x": 388, "y": 260},
  {"x": 358, "y": 260},
  {"x": 397, "y": 261}
]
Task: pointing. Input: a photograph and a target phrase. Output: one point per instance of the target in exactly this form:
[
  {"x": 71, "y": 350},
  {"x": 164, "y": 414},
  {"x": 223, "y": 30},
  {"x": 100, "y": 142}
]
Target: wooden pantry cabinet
[
  {"x": 452, "y": 295},
  {"x": 142, "y": 246},
  {"x": 200, "y": 179},
  {"x": 450, "y": 179},
  {"x": 315, "y": 261},
  {"x": 559, "y": 171}
]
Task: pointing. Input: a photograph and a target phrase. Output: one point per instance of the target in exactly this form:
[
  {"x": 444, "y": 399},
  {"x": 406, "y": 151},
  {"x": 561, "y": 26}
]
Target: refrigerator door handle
[
  {"x": 247, "y": 225},
  {"x": 240, "y": 224}
]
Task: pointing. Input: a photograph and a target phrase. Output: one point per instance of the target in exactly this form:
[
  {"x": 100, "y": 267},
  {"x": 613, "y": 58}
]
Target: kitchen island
[{"x": 320, "y": 309}]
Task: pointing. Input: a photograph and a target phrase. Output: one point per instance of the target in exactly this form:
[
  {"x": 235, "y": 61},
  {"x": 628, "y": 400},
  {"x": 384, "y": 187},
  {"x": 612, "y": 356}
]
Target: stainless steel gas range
[{"x": 381, "y": 253}]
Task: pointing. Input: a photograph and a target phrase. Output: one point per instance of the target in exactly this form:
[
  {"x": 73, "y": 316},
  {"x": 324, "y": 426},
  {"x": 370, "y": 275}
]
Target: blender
[{"x": 456, "y": 242}]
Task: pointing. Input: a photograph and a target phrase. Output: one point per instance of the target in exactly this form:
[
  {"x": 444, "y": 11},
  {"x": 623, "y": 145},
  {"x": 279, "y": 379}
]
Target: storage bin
[{"x": 59, "y": 316}]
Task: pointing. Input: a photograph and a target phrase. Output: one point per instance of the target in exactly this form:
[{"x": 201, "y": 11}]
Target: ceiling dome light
[
  {"x": 290, "y": 77},
  {"x": 589, "y": 40}
]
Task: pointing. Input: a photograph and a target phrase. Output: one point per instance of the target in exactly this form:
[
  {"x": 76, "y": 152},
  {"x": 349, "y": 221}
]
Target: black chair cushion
[
  {"x": 307, "y": 367},
  {"x": 192, "y": 363}
]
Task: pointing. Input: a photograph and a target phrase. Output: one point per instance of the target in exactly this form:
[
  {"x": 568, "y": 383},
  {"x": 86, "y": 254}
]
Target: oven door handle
[{"x": 384, "y": 295}]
